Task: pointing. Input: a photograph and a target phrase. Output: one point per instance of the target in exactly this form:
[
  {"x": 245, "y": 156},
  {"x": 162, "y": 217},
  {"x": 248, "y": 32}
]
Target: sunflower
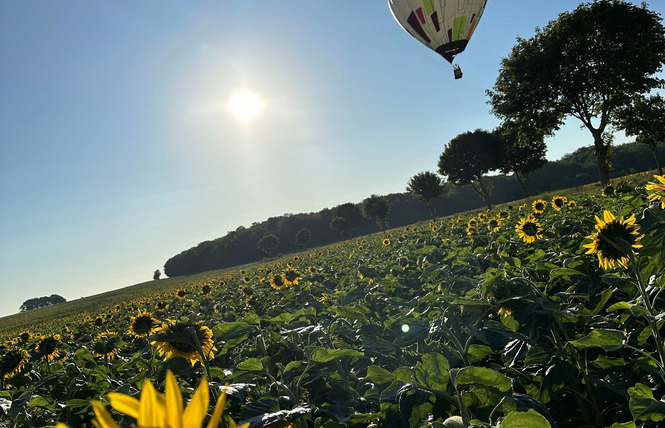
[
  {"x": 471, "y": 230},
  {"x": 183, "y": 339},
  {"x": 25, "y": 336},
  {"x": 558, "y": 202},
  {"x": 246, "y": 279},
  {"x": 143, "y": 324},
  {"x": 539, "y": 206},
  {"x": 473, "y": 222},
  {"x": 206, "y": 289},
  {"x": 47, "y": 348},
  {"x": 433, "y": 227},
  {"x": 222, "y": 283},
  {"x": 608, "y": 190},
  {"x": 107, "y": 344},
  {"x": 13, "y": 361},
  {"x": 571, "y": 205},
  {"x": 277, "y": 282},
  {"x": 386, "y": 242},
  {"x": 181, "y": 293},
  {"x": 291, "y": 277},
  {"x": 482, "y": 217},
  {"x": 615, "y": 240},
  {"x": 494, "y": 224},
  {"x": 655, "y": 187},
  {"x": 312, "y": 270},
  {"x": 504, "y": 215},
  {"x": 528, "y": 229},
  {"x": 157, "y": 410}
]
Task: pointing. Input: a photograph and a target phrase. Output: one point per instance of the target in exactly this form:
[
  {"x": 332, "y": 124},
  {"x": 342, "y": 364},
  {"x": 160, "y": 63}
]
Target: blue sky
[{"x": 118, "y": 149}]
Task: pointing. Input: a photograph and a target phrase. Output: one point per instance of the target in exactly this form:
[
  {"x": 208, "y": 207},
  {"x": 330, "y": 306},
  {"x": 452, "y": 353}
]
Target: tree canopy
[
  {"x": 588, "y": 64},
  {"x": 645, "y": 118},
  {"x": 41, "y": 302},
  {"x": 469, "y": 156},
  {"x": 520, "y": 158},
  {"x": 376, "y": 207},
  {"x": 426, "y": 186},
  {"x": 346, "y": 218}
]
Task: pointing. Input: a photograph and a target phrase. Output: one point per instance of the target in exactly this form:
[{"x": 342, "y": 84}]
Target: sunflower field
[{"x": 543, "y": 314}]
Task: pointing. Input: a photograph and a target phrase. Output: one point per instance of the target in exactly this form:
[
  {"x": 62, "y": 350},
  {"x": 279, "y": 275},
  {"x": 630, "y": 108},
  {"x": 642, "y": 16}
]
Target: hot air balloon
[{"x": 445, "y": 26}]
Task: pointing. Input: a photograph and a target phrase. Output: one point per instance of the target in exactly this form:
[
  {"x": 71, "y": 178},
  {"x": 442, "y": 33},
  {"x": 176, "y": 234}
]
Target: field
[{"x": 543, "y": 313}]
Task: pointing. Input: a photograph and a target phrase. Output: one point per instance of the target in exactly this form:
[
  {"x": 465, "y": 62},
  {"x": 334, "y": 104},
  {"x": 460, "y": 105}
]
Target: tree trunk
[
  {"x": 485, "y": 192},
  {"x": 523, "y": 180},
  {"x": 601, "y": 156}
]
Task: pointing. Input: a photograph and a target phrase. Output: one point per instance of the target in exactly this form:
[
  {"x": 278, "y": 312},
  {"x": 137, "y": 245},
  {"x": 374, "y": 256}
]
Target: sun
[{"x": 245, "y": 105}]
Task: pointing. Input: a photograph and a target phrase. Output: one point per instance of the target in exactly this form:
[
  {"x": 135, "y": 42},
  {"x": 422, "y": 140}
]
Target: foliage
[
  {"x": 588, "y": 64},
  {"x": 156, "y": 275},
  {"x": 520, "y": 158},
  {"x": 469, "y": 156},
  {"x": 303, "y": 237},
  {"x": 40, "y": 302},
  {"x": 346, "y": 218},
  {"x": 644, "y": 118},
  {"x": 268, "y": 244},
  {"x": 426, "y": 186},
  {"x": 418, "y": 326},
  {"x": 376, "y": 207}
]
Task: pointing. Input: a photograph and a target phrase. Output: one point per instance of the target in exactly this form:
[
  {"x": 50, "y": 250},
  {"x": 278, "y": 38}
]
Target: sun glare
[{"x": 245, "y": 106}]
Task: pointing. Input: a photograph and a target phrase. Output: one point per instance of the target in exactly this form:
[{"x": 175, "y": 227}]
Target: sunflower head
[
  {"x": 47, "y": 348},
  {"x": 386, "y": 242},
  {"x": 558, "y": 202},
  {"x": 571, "y": 205},
  {"x": 614, "y": 241},
  {"x": 181, "y": 293},
  {"x": 658, "y": 191},
  {"x": 25, "y": 336},
  {"x": 473, "y": 222},
  {"x": 107, "y": 344},
  {"x": 206, "y": 289},
  {"x": 184, "y": 339},
  {"x": 528, "y": 229},
  {"x": 291, "y": 277},
  {"x": 277, "y": 282},
  {"x": 539, "y": 206},
  {"x": 142, "y": 324},
  {"x": 471, "y": 230},
  {"x": 482, "y": 217},
  {"x": 494, "y": 224},
  {"x": 12, "y": 362},
  {"x": 608, "y": 190}
]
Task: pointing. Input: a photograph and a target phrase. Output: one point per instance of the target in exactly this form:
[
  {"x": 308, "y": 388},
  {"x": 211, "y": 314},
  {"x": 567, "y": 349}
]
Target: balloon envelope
[{"x": 444, "y": 26}]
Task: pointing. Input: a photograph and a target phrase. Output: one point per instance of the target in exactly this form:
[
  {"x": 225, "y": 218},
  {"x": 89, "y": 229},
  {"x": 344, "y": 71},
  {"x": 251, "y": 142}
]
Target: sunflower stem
[{"x": 649, "y": 307}]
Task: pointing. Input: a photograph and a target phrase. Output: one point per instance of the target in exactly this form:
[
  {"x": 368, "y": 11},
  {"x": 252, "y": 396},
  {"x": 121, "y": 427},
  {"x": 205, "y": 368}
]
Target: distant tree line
[
  {"x": 295, "y": 232},
  {"x": 41, "y": 302}
]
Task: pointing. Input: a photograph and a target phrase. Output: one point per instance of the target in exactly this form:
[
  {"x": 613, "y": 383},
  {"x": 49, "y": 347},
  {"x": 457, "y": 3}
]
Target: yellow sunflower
[
  {"x": 291, "y": 277},
  {"x": 107, "y": 344},
  {"x": 656, "y": 187},
  {"x": 156, "y": 410},
  {"x": 25, "y": 336},
  {"x": 558, "y": 202},
  {"x": 471, "y": 230},
  {"x": 494, "y": 224},
  {"x": 13, "y": 361},
  {"x": 615, "y": 240},
  {"x": 143, "y": 324},
  {"x": 181, "y": 293},
  {"x": 473, "y": 222},
  {"x": 182, "y": 339},
  {"x": 277, "y": 282},
  {"x": 206, "y": 289},
  {"x": 482, "y": 217},
  {"x": 47, "y": 348},
  {"x": 571, "y": 205},
  {"x": 386, "y": 242},
  {"x": 539, "y": 206},
  {"x": 528, "y": 229}
]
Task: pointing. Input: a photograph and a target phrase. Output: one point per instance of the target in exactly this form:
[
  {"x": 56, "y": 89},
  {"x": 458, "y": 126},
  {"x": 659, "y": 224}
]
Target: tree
[
  {"x": 587, "y": 64},
  {"x": 426, "y": 186},
  {"x": 41, "y": 302},
  {"x": 268, "y": 244},
  {"x": 303, "y": 237},
  {"x": 520, "y": 158},
  {"x": 346, "y": 218},
  {"x": 645, "y": 118},
  {"x": 468, "y": 157},
  {"x": 156, "y": 275},
  {"x": 377, "y": 208}
]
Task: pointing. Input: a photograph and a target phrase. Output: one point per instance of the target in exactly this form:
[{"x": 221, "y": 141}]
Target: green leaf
[
  {"x": 231, "y": 330},
  {"x": 378, "y": 375},
  {"x": 416, "y": 330},
  {"x": 355, "y": 312},
  {"x": 605, "y": 363},
  {"x": 325, "y": 355},
  {"x": 250, "y": 365},
  {"x": 624, "y": 425},
  {"x": 643, "y": 406},
  {"x": 39, "y": 401},
  {"x": 601, "y": 338},
  {"x": 478, "y": 352},
  {"x": 432, "y": 372},
  {"x": 530, "y": 419},
  {"x": 77, "y": 402},
  {"x": 482, "y": 376}
]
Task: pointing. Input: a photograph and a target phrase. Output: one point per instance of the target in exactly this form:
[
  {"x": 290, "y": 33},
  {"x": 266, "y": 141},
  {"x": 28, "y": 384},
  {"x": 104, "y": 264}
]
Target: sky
[{"x": 119, "y": 147}]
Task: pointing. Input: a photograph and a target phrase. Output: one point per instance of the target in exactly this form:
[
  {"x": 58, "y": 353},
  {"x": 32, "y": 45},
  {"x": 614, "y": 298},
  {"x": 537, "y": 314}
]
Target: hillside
[{"x": 240, "y": 246}]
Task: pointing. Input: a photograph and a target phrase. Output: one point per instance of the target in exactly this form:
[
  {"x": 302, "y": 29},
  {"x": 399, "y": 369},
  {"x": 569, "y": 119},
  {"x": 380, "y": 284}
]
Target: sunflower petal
[
  {"x": 219, "y": 408},
  {"x": 151, "y": 412},
  {"x": 608, "y": 216},
  {"x": 102, "y": 417},
  {"x": 196, "y": 410},
  {"x": 173, "y": 401},
  {"x": 125, "y": 404}
]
